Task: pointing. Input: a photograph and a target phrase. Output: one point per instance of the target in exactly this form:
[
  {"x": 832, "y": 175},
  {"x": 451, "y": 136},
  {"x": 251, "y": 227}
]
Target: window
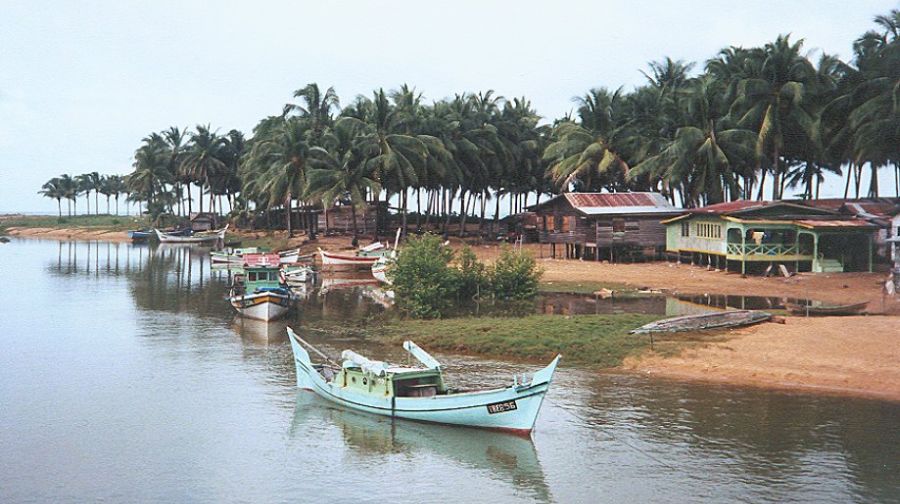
[
  {"x": 618, "y": 225},
  {"x": 707, "y": 230},
  {"x": 251, "y": 277},
  {"x": 685, "y": 229},
  {"x": 570, "y": 223},
  {"x": 551, "y": 223}
]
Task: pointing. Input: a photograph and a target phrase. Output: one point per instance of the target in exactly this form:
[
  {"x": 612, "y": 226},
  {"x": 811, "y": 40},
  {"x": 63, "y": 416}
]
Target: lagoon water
[{"x": 124, "y": 377}]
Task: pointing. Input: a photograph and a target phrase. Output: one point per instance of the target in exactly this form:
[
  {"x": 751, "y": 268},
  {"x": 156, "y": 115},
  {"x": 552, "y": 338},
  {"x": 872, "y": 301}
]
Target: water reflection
[
  {"x": 158, "y": 388},
  {"x": 507, "y": 458}
]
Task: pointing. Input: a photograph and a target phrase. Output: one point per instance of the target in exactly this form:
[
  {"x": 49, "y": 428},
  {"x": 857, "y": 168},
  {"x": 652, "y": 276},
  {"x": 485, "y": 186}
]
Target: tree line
[{"x": 756, "y": 117}]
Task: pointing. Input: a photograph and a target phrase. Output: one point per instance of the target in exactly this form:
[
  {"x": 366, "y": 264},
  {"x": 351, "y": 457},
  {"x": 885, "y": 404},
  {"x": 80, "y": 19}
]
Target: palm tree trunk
[
  {"x": 96, "y": 204},
  {"x": 287, "y": 213},
  {"x": 200, "y": 199},
  {"x": 403, "y": 201},
  {"x": 762, "y": 184},
  {"x": 117, "y": 203},
  {"x": 858, "y": 178},
  {"x": 496, "y": 211},
  {"x": 776, "y": 175},
  {"x": 418, "y": 209},
  {"x": 462, "y": 212},
  {"x": 59, "y": 207},
  {"x": 483, "y": 205},
  {"x": 352, "y": 216},
  {"x": 107, "y": 204},
  {"x": 849, "y": 174},
  {"x": 873, "y": 184}
]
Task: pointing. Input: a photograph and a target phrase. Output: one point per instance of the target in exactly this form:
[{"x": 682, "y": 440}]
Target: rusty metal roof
[
  {"x": 834, "y": 223},
  {"x": 621, "y": 203}
]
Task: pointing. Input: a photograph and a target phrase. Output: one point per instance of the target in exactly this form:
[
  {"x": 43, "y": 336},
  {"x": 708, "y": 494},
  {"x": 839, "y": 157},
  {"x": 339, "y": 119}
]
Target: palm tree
[
  {"x": 116, "y": 187},
  {"x": 276, "y": 165},
  {"x": 875, "y": 120},
  {"x": 175, "y": 138},
  {"x": 69, "y": 188},
  {"x": 85, "y": 186},
  {"x": 586, "y": 154},
  {"x": 316, "y": 109},
  {"x": 203, "y": 160},
  {"x": 772, "y": 97},
  {"x": 707, "y": 155},
  {"x": 53, "y": 189},
  {"x": 340, "y": 173}
]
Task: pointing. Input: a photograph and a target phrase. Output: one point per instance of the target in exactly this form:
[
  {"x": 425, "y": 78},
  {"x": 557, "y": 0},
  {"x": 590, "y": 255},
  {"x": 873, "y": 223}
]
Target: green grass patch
[
  {"x": 110, "y": 222},
  {"x": 591, "y": 340}
]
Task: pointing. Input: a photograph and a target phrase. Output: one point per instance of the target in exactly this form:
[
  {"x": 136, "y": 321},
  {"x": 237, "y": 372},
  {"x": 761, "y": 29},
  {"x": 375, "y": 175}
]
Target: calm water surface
[{"x": 124, "y": 377}]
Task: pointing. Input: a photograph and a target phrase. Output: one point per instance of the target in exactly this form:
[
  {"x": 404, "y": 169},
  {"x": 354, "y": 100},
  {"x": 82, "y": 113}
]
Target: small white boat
[
  {"x": 364, "y": 257},
  {"x": 289, "y": 256},
  {"x": 419, "y": 393},
  {"x": 233, "y": 255},
  {"x": 299, "y": 274},
  {"x": 201, "y": 237}
]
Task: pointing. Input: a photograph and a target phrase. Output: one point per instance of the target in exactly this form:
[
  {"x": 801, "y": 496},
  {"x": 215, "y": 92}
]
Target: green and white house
[{"x": 749, "y": 236}]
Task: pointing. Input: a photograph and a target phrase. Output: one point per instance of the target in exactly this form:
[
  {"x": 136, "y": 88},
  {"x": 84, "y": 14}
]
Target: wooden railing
[{"x": 766, "y": 249}]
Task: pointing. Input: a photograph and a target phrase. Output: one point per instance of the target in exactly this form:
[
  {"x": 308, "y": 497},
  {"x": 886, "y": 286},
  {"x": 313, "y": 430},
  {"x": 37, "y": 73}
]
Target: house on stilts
[
  {"x": 598, "y": 226},
  {"x": 750, "y": 236}
]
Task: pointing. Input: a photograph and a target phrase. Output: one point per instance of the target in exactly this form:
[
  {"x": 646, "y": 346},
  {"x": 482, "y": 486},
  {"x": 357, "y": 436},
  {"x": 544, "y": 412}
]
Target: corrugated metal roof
[
  {"x": 621, "y": 203},
  {"x": 834, "y": 223}
]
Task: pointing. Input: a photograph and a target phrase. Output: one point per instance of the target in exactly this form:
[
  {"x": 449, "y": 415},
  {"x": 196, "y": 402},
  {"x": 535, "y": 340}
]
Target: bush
[
  {"x": 424, "y": 282},
  {"x": 515, "y": 275},
  {"x": 471, "y": 274},
  {"x": 428, "y": 282}
]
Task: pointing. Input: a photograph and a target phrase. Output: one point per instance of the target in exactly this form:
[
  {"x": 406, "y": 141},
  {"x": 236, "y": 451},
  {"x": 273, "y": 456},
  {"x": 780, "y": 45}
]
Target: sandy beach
[{"x": 841, "y": 355}]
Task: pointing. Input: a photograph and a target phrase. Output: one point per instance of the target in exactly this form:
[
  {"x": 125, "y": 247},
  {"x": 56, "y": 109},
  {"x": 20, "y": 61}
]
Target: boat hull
[
  {"x": 264, "y": 306},
  {"x": 204, "y": 238},
  {"x": 512, "y": 409},
  {"x": 330, "y": 259}
]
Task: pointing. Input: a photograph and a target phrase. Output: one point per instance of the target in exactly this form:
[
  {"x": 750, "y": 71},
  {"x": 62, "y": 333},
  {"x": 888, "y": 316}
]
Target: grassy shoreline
[{"x": 600, "y": 341}]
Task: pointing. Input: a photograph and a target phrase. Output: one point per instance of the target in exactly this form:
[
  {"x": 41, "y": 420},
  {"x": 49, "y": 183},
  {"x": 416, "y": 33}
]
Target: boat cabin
[
  {"x": 755, "y": 235},
  {"x": 395, "y": 382},
  {"x": 257, "y": 278}
]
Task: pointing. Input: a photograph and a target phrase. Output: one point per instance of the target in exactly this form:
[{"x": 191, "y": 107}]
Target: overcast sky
[{"x": 82, "y": 82}]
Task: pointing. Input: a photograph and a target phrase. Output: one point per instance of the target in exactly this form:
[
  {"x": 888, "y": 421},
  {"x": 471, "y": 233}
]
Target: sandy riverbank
[
  {"x": 69, "y": 233},
  {"x": 842, "y": 355}
]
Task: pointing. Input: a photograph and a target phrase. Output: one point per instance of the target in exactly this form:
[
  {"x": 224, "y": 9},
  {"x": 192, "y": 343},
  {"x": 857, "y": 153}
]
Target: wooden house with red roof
[
  {"x": 604, "y": 225},
  {"x": 752, "y": 235}
]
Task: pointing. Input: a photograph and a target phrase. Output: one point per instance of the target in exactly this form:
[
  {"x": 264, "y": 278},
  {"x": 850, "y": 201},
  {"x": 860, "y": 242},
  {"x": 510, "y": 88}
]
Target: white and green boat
[{"x": 419, "y": 393}]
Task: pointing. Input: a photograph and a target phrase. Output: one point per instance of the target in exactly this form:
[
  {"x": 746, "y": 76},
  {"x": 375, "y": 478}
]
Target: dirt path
[{"x": 845, "y": 355}]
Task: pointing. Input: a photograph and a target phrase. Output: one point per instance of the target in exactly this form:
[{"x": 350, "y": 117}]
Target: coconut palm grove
[{"x": 749, "y": 123}]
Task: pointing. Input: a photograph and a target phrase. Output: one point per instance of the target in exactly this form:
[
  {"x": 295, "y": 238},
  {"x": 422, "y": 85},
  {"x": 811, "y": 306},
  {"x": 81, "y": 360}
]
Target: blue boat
[{"x": 419, "y": 393}]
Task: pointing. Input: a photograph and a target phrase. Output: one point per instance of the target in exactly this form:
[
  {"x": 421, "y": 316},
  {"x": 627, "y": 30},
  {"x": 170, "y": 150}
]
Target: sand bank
[{"x": 843, "y": 355}]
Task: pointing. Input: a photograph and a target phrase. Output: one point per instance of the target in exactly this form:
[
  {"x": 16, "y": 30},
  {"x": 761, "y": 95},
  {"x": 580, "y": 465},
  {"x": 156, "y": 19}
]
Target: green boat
[{"x": 419, "y": 392}]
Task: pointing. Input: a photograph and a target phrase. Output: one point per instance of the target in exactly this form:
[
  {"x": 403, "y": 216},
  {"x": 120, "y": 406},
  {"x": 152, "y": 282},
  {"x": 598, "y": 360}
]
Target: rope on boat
[{"x": 626, "y": 443}]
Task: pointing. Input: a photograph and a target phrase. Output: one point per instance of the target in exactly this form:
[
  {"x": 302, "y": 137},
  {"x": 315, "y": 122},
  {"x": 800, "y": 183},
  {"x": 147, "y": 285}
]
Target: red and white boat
[{"x": 362, "y": 258}]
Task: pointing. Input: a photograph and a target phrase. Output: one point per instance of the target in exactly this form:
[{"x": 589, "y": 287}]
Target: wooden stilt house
[
  {"x": 597, "y": 226},
  {"x": 751, "y": 236}
]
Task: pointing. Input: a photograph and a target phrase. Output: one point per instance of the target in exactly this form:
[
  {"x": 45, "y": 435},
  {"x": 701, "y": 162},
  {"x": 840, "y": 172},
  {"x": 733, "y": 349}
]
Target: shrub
[
  {"x": 424, "y": 282},
  {"x": 471, "y": 274},
  {"x": 515, "y": 275}
]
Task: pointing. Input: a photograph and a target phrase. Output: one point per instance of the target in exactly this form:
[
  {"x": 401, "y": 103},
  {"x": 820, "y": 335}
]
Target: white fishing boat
[
  {"x": 298, "y": 274},
  {"x": 363, "y": 257},
  {"x": 260, "y": 293},
  {"x": 201, "y": 237},
  {"x": 234, "y": 255},
  {"x": 419, "y": 393},
  {"x": 289, "y": 256}
]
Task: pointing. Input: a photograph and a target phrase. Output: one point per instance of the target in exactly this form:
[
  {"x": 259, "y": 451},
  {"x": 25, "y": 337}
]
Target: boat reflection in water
[
  {"x": 260, "y": 332},
  {"x": 507, "y": 458}
]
